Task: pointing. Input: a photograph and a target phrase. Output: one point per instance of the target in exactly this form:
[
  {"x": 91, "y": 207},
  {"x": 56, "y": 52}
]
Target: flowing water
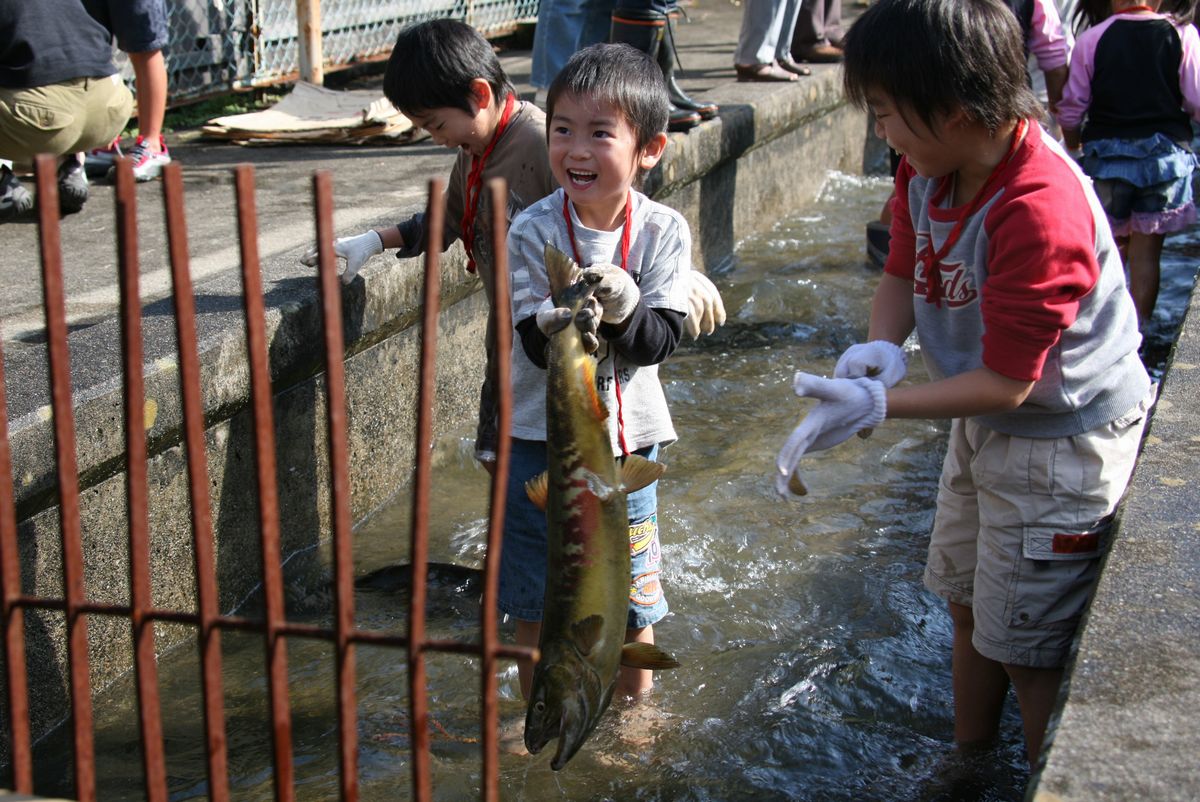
[{"x": 815, "y": 666}]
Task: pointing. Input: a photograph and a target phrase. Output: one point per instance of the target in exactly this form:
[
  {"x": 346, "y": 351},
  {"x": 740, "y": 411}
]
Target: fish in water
[{"x": 583, "y": 491}]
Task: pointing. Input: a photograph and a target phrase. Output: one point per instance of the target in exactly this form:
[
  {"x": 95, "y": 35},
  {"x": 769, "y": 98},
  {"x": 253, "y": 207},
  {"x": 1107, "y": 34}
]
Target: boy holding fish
[
  {"x": 1003, "y": 263},
  {"x": 445, "y": 77},
  {"x": 607, "y": 116}
]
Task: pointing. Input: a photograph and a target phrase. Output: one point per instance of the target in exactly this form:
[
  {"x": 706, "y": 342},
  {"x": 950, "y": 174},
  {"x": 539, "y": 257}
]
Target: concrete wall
[{"x": 731, "y": 177}]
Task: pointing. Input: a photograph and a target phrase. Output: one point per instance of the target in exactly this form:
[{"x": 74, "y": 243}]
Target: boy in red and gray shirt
[{"x": 1003, "y": 263}]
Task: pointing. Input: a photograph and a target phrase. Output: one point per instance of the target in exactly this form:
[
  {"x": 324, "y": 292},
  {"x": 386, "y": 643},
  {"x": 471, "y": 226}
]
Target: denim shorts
[
  {"x": 1144, "y": 185},
  {"x": 140, "y": 26},
  {"x": 1020, "y": 527},
  {"x": 523, "y": 554}
]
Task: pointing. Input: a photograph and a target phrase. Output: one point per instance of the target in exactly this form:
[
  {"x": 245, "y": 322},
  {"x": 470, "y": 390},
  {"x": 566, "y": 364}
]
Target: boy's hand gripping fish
[{"x": 588, "y": 565}]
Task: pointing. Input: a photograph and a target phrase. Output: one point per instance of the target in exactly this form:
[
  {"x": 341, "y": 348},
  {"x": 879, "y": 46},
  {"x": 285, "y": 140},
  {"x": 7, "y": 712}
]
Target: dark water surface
[{"x": 815, "y": 666}]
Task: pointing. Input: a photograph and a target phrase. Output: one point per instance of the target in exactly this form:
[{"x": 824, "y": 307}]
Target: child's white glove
[
  {"x": 616, "y": 291},
  {"x": 845, "y": 406},
  {"x": 706, "y": 310},
  {"x": 355, "y": 250},
  {"x": 552, "y": 319},
  {"x": 879, "y": 359}
]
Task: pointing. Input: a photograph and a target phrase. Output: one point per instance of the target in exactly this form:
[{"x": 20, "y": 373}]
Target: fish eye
[{"x": 539, "y": 706}]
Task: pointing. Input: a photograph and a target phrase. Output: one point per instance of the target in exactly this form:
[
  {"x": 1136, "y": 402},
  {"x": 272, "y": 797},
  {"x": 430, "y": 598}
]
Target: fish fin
[
  {"x": 538, "y": 490},
  {"x": 588, "y": 633},
  {"x": 639, "y": 472},
  {"x": 595, "y": 403},
  {"x": 598, "y": 487},
  {"x": 646, "y": 655},
  {"x": 561, "y": 270}
]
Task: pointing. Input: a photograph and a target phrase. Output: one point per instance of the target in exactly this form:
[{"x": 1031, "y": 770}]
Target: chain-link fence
[{"x": 220, "y": 45}]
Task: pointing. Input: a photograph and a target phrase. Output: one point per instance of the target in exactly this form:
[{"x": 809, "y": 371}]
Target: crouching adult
[{"x": 59, "y": 94}]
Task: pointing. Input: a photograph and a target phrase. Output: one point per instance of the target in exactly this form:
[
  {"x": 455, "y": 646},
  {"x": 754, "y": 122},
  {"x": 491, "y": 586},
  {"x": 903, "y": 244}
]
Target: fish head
[
  {"x": 567, "y": 286},
  {"x": 559, "y": 707}
]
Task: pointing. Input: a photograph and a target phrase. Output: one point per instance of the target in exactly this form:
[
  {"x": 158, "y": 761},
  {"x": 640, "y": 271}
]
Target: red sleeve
[
  {"x": 1041, "y": 262},
  {"x": 902, "y": 248}
]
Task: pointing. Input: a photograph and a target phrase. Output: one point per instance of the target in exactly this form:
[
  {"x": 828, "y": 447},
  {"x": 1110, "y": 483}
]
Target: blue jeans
[
  {"x": 523, "y": 555},
  {"x": 564, "y": 26}
]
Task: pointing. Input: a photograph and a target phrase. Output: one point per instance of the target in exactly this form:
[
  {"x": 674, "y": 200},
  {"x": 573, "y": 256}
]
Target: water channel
[{"x": 815, "y": 666}]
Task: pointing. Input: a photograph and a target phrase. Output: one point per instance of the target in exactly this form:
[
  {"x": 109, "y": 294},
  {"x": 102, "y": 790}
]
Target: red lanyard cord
[
  {"x": 933, "y": 275},
  {"x": 625, "y": 229},
  {"x": 475, "y": 185}
]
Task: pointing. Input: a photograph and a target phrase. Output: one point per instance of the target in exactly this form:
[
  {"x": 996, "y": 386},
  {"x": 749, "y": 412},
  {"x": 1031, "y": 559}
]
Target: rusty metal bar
[
  {"x": 13, "y": 621},
  {"x": 339, "y": 478},
  {"x": 419, "y": 556},
  {"x": 268, "y": 498},
  {"x": 489, "y": 613},
  {"x": 136, "y": 491},
  {"x": 68, "y": 479},
  {"x": 209, "y": 635}
]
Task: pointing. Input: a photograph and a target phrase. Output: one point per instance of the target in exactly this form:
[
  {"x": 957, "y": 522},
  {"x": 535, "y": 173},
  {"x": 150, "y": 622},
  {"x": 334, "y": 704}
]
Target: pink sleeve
[
  {"x": 1077, "y": 94},
  {"x": 1041, "y": 262},
  {"x": 902, "y": 248},
  {"x": 1189, "y": 70},
  {"x": 1049, "y": 42}
]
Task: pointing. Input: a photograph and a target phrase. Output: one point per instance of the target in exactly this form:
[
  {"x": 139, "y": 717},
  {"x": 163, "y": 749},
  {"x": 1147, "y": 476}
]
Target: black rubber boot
[
  {"x": 646, "y": 30},
  {"x": 668, "y": 58}
]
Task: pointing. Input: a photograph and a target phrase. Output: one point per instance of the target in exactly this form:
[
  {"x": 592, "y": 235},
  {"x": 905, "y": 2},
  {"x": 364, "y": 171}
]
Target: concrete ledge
[
  {"x": 732, "y": 176},
  {"x": 1127, "y": 725}
]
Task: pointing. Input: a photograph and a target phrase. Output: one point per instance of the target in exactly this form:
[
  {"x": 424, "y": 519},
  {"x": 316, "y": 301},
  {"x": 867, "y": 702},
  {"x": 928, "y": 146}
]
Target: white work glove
[
  {"x": 616, "y": 291},
  {"x": 879, "y": 359},
  {"x": 552, "y": 319},
  {"x": 845, "y": 406},
  {"x": 706, "y": 310},
  {"x": 355, "y": 250}
]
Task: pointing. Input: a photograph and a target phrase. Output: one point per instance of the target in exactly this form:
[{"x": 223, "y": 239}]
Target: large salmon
[{"x": 582, "y": 643}]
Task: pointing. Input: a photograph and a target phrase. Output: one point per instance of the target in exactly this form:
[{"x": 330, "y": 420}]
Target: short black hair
[
  {"x": 433, "y": 64},
  {"x": 621, "y": 76},
  {"x": 936, "y": 56}
]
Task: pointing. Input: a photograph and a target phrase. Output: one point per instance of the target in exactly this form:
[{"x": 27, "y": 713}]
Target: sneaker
[
  {"x": 147, "y": 165},
  {"x": 72, "y": 186},
  {"x": 15, "y": 200},
  {"x": 99, "y": 161}
]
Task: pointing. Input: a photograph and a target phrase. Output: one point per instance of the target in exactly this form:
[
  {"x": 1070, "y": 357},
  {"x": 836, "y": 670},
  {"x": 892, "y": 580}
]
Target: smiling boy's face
[
  {"x": 929, "y": 150},
  {"x": 595, "y": 158},
  {"x": 451, "y": 127}
]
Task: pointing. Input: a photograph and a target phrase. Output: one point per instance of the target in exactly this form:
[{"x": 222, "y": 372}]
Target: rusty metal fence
[
  {"x": 207, "y": 619},
  {"x": 222, "y": 45}
]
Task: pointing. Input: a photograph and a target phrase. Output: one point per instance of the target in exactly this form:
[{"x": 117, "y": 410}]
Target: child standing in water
[
  {"x": 1003, "y": 263},
  {"x": 1134, "y": 88},
  {"x": 445, "y": 77},
  {"x": 606, "y": 122}
]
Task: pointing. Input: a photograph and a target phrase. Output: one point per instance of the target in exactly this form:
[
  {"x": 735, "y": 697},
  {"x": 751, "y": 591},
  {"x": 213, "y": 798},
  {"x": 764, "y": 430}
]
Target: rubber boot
[
  {"x": 668, "y": 58},
  {"x": 645, "y": 30}
]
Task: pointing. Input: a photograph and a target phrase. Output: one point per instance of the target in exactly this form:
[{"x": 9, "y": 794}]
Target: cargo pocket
[
  {"x": 1054, "y": 577},
  {"x": 41, "y": 118}
]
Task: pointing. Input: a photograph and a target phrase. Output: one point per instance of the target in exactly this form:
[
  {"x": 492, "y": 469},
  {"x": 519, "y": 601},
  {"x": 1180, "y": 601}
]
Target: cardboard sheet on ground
[{"x": 314, "y": 114}]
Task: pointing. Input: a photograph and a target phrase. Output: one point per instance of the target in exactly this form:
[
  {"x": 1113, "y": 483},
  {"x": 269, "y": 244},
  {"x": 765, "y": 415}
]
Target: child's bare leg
[
  {"x": 980, "y": 684},
  {"x": 528, "y": 634},
  {"x": 636, "y": 681},
  {"x": 150, "y": 78},
  {"x": 1143, "y": 255},
  {"x": 1037, "y": 691}
]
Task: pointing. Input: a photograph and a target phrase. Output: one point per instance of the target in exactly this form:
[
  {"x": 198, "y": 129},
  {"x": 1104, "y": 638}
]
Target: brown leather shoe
[{"x": 818, "y": 54}]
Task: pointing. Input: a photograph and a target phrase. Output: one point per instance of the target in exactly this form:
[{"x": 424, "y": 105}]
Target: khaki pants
[{"x": 58, "y": 119}]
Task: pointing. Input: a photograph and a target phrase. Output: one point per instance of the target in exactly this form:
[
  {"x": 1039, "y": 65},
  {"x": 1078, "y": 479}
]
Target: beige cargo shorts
[
  {"x": 68, "y": 117},
  {"x": 1020, "y": 527}
]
